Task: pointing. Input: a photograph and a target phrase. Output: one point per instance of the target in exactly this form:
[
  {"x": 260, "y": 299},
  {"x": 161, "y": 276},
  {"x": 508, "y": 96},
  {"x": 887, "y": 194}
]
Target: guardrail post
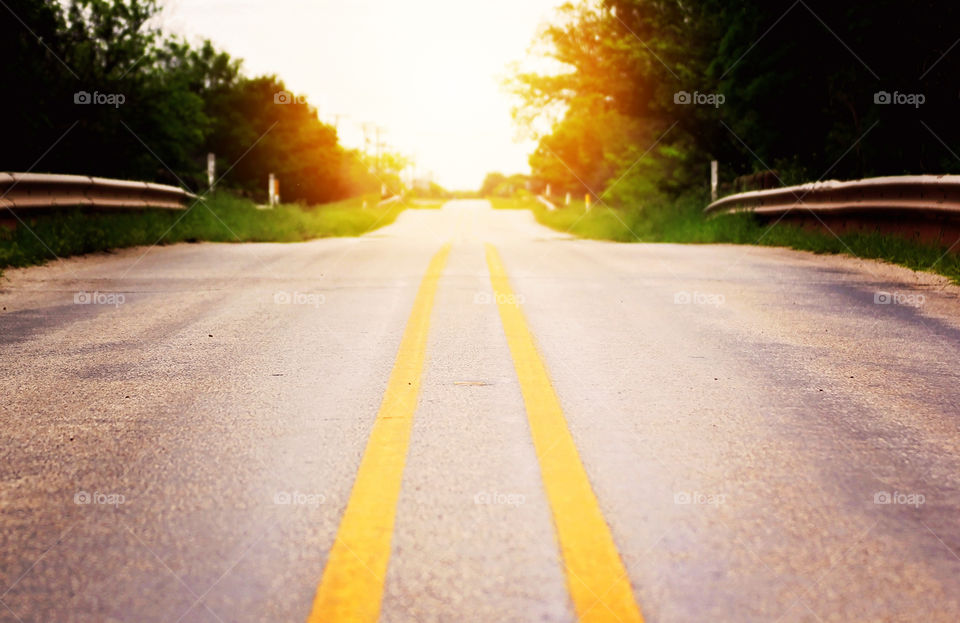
[
  {"x": 272, "y": 188},
  {"x": 714, "y": 180},
  {"x": 211, "y": 170}
]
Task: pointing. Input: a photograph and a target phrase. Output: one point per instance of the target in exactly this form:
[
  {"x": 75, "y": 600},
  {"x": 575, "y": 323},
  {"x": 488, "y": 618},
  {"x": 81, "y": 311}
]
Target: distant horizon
[{"x": 447, "y": 85}]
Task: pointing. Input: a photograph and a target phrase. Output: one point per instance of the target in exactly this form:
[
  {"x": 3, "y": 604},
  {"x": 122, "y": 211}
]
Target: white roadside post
[
  {"x": 567, "y": 202},
  {"x": 713, "y": 180},
  {"x": 211, "y": 170},
  {"x": 548, "y": 191},
  {"x": 271, "y": 190},
  {"x": 586, "y": 201}
]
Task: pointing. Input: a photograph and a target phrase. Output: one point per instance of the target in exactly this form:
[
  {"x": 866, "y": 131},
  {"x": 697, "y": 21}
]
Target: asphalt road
[{"x": 766, "y": 435}]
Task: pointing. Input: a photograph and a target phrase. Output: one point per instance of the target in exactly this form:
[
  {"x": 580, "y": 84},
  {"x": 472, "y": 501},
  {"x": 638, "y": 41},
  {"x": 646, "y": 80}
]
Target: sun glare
[{"x": 428, "y": 73}]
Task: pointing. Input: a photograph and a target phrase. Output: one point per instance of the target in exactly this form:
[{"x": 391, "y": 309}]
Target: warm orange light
[{"x": 428, "y": 71}]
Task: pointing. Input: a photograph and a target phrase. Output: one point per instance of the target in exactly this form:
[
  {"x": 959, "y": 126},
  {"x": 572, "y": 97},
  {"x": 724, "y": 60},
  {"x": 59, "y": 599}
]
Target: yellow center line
[
  {"x": 597, "y": 580},
  {"x": 351, "y": 589}
]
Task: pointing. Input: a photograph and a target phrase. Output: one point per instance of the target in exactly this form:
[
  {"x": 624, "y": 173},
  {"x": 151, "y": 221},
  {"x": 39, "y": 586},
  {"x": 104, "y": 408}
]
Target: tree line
[
  {"x": 647, "y": 92},
  {"x": 94, "y": 88}
]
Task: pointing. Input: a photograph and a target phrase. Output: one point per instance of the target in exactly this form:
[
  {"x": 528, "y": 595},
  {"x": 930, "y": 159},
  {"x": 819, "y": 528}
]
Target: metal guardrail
[
  {"x": 546, "y": 203},
  {"x": 921, "y": 196},
  {"x": 37, "y": 191}
]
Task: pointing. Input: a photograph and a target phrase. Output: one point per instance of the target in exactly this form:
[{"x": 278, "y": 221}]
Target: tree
[
  {"x": 651, "y": 90},
  {"x": 107, "y": 94},
  {"x": 490, "y": 183}
]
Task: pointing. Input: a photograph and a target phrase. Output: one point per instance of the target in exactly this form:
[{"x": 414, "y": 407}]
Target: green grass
[
  {"x": 682, "y": 221},
  {"x": 221, "y": 218},
  {"x": 224, "y": 218},
  {"x": 599, "y": 223},
  {"x": 518, "y": 203}
]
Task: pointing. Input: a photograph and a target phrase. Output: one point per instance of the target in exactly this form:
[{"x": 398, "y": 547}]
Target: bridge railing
[
  {"x": 905, "y": 196},
  {"x": 37, "y": 191}
]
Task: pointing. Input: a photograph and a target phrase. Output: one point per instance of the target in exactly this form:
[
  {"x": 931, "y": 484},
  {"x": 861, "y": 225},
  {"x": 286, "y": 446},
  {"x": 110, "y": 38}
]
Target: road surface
[{"x": 524, "y": 427}]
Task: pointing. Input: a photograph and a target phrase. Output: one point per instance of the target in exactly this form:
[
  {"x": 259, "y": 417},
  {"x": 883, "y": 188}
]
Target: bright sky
[{"x": 428, "y": 71}]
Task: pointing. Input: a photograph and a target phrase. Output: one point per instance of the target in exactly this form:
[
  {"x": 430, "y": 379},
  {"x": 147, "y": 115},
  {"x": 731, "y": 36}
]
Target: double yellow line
[{"x": 351, "y": 590}]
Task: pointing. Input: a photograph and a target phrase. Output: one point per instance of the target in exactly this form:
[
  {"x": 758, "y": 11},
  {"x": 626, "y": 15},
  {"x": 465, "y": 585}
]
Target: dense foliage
[
  {"x": 499, "y": 185},
  {"x": 93, "y": 88},
  {"x": 652, "y": 90}
]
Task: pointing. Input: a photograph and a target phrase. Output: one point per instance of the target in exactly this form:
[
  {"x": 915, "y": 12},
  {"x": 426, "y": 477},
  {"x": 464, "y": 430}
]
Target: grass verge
[
  {"x": 682, "y": 221},
  {"x": 220, "y": 218}
]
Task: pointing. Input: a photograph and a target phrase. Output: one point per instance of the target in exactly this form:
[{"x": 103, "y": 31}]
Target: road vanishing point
[{"x": 465, "y": 416}]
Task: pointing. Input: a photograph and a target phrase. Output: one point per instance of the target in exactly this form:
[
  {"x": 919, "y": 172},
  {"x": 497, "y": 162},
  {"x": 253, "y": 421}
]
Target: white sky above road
[{"x": 428, "y": 71}]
